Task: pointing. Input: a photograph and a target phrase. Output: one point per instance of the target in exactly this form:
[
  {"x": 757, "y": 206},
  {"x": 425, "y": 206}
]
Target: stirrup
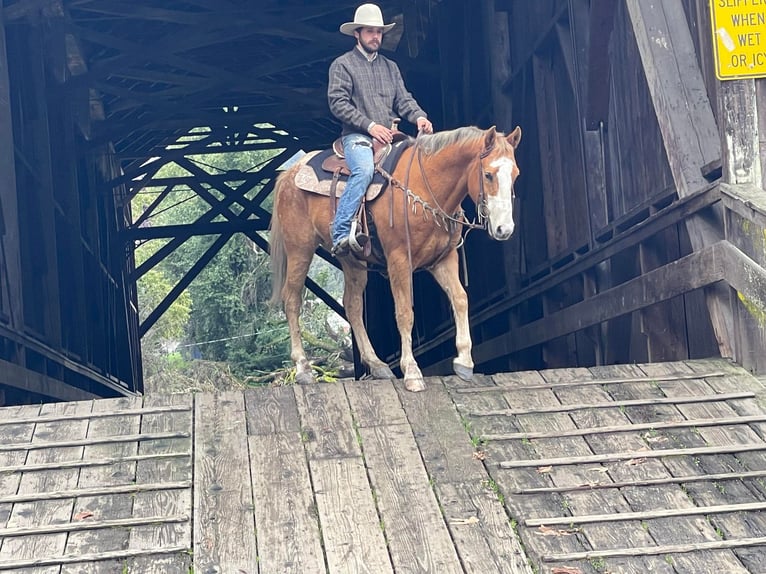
[{"x": 357, "y": 242}]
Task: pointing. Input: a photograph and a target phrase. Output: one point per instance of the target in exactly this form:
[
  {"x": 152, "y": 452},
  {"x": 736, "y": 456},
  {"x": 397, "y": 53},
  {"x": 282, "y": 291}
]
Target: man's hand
[
  {"x": 425, "y": 126},
  {"x": 381, "y": 133}
]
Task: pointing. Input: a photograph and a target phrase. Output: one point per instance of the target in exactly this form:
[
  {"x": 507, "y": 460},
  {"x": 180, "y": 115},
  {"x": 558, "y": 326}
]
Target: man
[{"x": 366, "y": 93}]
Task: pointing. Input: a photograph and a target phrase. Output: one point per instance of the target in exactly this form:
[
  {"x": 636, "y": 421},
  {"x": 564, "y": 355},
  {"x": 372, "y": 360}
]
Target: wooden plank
[
  {"x": 418, "y": 539},
  {"x": 223, "y": 498},
  {"x": 94, "y": 491},
  {"x": 647, "y": 514},
  {"x": 105, "y": 508},
  {"x": 375, "y": 403},
  {"x": 506, "y": 380},
  {"x": 735, "y": 525},
  {"x": 724, "y": 476},
  {"x": 502, "y": 482},
  {"x": 89, "y": 463},
  {"x": 109, "y": 440},
  {"x": 13, "y": 306},
  {"x": 696, "y": 270},
  {"x": 351, "y": 529},
  {"x": 164, "y": 469},
  {"x": 271, "y": 410},
  {"x": 285, "y": 517},
  {"x": 632, "y": 427},
  {"x": 618, "y": 456},
  {"x": 687, "y": 124},
  {"x": 137, "y": 412},
  {"x": 626, "y": 403},
  {"x": 442, "y": 437},
  {"x": 89, "y": 525},
  {"x": 9, "y": 481},
  {"x": 47, "y": 512},
  {"x": 326, "y": 421},
  {"x": 669, "y": 549},
  {"x": 480, "y": 528},
  {"x": 672, "y": 530},
  {"x": 581, "y": 502},
  {"x": 97, "y": 558}
]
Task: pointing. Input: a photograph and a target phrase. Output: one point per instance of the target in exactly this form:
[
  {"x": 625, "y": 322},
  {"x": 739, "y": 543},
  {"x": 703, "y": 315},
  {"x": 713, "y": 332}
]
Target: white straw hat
[{"x": 367, "y": 15}]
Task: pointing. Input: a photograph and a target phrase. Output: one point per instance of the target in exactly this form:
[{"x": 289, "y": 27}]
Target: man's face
[{"x": 369, "y": 38}]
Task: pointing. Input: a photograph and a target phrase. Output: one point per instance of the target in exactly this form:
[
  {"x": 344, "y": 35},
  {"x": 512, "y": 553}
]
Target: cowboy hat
[{"x": 367, "y": 15}]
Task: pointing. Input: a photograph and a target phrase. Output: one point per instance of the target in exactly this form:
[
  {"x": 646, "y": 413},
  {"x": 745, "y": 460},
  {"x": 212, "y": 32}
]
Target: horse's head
[{"x": 495, "y": 195}]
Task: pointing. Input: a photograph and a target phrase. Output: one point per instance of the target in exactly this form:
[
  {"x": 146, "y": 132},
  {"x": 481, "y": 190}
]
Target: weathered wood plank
[
  {"x": 505, "y": 481},
  {"x": 326, "y": 421},
  {"x": 9, "y": 481},
  {"x": 285, "y": 513},
  {"x": 730, "y": 525},
  {"x": 164, "y": 502},
  {"x": 108, "y": 507},
  {"x": 673, "y": 530},
  {"x": 480, "y": 528},
  {"x": 223, "y": 499},
  {"x": 271, "y": 410},
  {"x": 47, "y": 512},
  {"x": 417, "y": 537},
  {"x": 351, "y": 530},
  {"x": 375, "y": 403},
  {"x": 575, "y": 503},
  {"x": 441, "y": 435}
]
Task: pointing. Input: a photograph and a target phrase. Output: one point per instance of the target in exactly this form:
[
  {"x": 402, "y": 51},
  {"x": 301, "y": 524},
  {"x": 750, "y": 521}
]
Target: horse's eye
[{"x": 488, "y": 176}]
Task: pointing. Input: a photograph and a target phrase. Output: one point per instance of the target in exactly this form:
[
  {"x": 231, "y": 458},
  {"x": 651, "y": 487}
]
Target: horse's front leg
[
  {"x": 447, "y": 274},
  {"x": 355, "y": 280},
  {"x": 400, "y": 278}
]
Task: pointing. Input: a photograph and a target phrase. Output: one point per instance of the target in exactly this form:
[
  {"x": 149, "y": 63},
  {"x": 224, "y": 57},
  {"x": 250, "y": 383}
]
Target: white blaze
[{"x": 500, "y": 206}]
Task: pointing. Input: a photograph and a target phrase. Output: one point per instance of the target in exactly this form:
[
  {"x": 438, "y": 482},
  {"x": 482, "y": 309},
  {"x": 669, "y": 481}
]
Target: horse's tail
[{"x": 277, "y": 245}]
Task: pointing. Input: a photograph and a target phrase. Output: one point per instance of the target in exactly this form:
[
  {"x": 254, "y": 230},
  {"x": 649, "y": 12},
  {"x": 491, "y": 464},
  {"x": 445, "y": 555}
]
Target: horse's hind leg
[
  {"x": 292, "y": 291},
  {"x": 355, "y": 280},
  {"x": 447, "y": 274}
]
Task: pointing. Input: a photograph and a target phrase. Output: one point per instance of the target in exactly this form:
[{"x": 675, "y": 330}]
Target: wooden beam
[
  {"x": 687, "y": 125},
  {"x": 189, "y": 230},
  {"x": 11, "y": 301},
  {"x": 18, "y": 377},
  {"x": 599, "y": 69},
  {"x": 694, "y": 271}
]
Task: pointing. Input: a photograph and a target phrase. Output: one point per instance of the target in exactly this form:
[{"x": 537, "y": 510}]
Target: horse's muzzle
[{"x": 501, "y": 232}]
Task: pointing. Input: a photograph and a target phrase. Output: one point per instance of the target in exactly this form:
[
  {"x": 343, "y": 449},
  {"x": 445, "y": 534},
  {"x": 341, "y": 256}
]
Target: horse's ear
[
  {"x": 489, "y": 138},
  {"x": 514, "y": 137}
]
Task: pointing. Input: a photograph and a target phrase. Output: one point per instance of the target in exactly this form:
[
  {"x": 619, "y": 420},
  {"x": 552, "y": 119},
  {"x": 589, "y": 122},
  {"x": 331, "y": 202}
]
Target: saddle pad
[{"x": 311, "y": 177}]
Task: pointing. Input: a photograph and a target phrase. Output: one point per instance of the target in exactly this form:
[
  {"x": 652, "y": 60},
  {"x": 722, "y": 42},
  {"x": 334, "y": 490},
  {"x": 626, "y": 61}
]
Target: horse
[{"x": 419, "y": 226}]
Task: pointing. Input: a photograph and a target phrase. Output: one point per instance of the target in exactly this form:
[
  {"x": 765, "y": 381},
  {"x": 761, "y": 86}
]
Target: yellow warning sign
[{"x": 739, "y": 38}]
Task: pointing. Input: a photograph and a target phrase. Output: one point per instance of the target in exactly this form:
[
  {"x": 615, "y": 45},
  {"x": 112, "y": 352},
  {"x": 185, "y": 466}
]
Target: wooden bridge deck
[{"x": 641, "y": 468}]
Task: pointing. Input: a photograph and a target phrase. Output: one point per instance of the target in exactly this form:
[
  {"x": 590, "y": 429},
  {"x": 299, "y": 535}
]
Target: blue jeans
[{"x": 358, "y": 151}]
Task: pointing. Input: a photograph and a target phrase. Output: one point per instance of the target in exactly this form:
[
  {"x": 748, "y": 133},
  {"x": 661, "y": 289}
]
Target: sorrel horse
[{"x": 419, "y": 227}]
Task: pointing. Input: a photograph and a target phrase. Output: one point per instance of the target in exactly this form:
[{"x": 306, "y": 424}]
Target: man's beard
[{"x": 367, "y": 48}]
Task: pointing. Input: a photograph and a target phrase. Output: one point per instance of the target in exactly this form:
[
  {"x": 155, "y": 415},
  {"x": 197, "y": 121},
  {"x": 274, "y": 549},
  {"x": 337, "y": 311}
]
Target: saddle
[{"x": 336, "y": 162}]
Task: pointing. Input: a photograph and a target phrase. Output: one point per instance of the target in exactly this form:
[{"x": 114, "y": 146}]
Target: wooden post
[
  {"x": 688, "y": 128},
  {"x": 10, "y": 258}
]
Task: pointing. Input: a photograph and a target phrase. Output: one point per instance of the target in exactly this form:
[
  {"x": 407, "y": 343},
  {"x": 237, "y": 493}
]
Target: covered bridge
[
  {"x": 620, "y": 427},
  {"x": 641, "y": 227}
]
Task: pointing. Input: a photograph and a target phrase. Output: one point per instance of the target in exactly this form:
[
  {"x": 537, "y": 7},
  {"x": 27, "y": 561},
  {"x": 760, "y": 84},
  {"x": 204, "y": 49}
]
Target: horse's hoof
[
  {"x": 383, "y": 372},
  {"x": 305, "y": 378},
  {"x": 415, "y": 385},
  {"x": 465, "y": 373}
]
